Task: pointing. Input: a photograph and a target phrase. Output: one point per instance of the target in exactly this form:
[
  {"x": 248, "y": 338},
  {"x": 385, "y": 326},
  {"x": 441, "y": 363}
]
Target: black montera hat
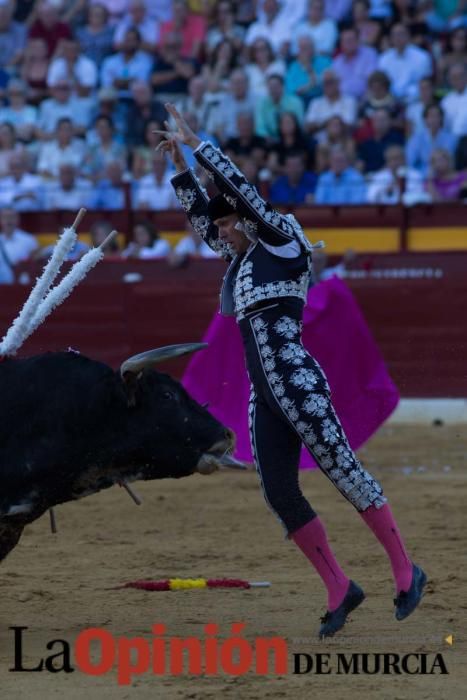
[{"x": 218, "y": 207}]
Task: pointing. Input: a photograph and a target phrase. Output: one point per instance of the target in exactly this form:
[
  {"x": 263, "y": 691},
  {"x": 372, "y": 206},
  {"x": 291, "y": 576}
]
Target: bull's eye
[{"x": 168, "y": 395}]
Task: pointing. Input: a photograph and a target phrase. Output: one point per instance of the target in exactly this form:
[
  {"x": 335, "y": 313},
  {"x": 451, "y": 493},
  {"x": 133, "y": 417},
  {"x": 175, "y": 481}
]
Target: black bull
[{"x": 71, "y": 426}]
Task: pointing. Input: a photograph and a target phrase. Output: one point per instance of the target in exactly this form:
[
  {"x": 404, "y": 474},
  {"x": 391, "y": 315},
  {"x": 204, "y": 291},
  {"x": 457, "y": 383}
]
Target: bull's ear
[{"x": 130, "y": 384}]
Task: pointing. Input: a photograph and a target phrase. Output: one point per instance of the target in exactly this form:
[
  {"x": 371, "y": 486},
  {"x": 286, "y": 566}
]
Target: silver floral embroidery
[
  {"x": 316, "y": 405},
  {"x": 330, "y": 431},
  {"x": 292, "y": 353},
  {"x": 287, "y": 327},
  {"x": 187, "y": 197},
  {"x": 304, "y": 378}
]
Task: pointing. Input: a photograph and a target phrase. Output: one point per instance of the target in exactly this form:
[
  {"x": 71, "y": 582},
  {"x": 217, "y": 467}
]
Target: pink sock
[
  {"x": 312, "y": 540},
  {"x": 381, "y": 522}
]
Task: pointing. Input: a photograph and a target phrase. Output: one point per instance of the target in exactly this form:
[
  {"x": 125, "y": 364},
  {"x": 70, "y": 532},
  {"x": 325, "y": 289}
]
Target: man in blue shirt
[
  {"x": 341, "y": 184},
  {"x": 296, "y": 185}
]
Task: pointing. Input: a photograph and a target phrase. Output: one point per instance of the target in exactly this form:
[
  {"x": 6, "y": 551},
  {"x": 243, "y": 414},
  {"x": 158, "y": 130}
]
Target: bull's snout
[{"x": 220, "y": 455}]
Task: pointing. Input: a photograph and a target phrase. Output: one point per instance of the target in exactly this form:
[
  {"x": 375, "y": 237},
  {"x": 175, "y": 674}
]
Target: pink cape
[{"x": 336, "y": 334}]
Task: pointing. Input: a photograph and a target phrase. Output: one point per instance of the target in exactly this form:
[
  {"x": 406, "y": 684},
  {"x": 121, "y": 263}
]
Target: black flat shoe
[
  {"x": 335, "y": 620},
  {"x": 407, "y": 601}
]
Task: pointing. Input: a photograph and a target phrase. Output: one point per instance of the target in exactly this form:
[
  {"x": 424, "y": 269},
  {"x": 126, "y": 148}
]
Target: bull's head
[{"x": 188, "y": 437}]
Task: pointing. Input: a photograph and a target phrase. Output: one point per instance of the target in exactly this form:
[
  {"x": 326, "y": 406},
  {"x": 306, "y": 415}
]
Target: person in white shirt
[
  {"x": 63, "y": 149},
  {"x": 69, "y": 191},
  {"x": 192, "y": 245},
  {"x": 454, "y": 104},
  {"x": 19, "y": 114},
  {"x": 331, "y": 104},
  {"x": 71, "y": 65},
  {"x": 321, "y": 30},
  {"x": 61, "y": 105},
  {"x": 154, "y": 191},
  {"x": 272, "y": 27},
  {"x": 261, "y": 66},
  {"x": 16, "y": 243},
  {"x": 397, "y": 183},
  {"x": 137, "y": 17},
  {"x": 146, "y": 243},
  {"x": 21, "y": 189},
  {"x": 237, "y": 100},
  {"x": 405, "y": 64},
  {"x": 130, "y": 63}
]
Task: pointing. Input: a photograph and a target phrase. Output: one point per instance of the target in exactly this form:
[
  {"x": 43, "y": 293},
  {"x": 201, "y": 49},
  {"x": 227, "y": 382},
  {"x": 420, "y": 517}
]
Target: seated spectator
[
  {"x": 237, "y": 100},
  {"x": 96, "y": 36},
  {"x": 261, "y": 65},
  {"x": 64, "y": 148},
  {"x": 296, "y": 185},
  {"x": 146, "y": 243},
  {"x": 354, "y": 64},
  {"x": 69, "y": 191},
  {"x": 155, "y": 191},
  {"x": 34, "y": 69},
  {"x": 190, "y": 27},
  {"x": 405, "y": 64},
  {"x": 63, "y": 105},
  {"x": 48, "y": 26},
  {"x": 130, "y": 63},
  {"x": 339, "y": 10},
  {"x": 454, "y": 104},
  {"x": 12, "y": 37},
  {"x": 270, "y": 108},
  {"x": 19, "y": 114},
  {"x": 456, "y": 53},
  {"x": 368, "y": 29},
  {"x": 247, "y": 144},
  {"x": 142, "y": 109},
  {"x": 332, "y": 103},
  {"x": 190, "y": 246},
  {"x": 371, "y": 151},
  {"x": 271, "y": 27},
  {"x": 341, "y": 184},
  {"x": 138, "y": 18},
  {"x": 414, "y": 112},
  {"x": 21, "y": 189},
  {"x": 171, "y": 71},
  {"x": 225, "y": 27},
  {"x": 16, "y": 244},
  {"x": 444, "y": 183},
  {"x": 116, "y": 9},
  {"x": 378, "y": 96},
  {"x": 104, "y": 151},
  {"x": 337, "y": 133},
  {"x": 109, "y": 190},
  {"x": 396, "y": 183},
  {"x": 319, "y": 27},
  {"x": 304, "y": 74},
  {"x": 431, "y": 136},
  {"x": 290, "y": 140},
  {"x": 443, "y": 15},
  {"x": 217, "y": 69},
  {"x": 7, "y": 276},
  {"x": 199, "y": 102},
  {"x": 8, "y": 146},
  {"x": 71, "y": 66},
  {"x": 99, "y": 231},
  {"x": 142, "y": 155},
  {"x": 108, "y": 105}
]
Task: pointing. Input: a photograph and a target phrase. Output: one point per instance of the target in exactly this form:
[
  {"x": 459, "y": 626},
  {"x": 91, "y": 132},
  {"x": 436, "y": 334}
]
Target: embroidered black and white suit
[{"x": 266, "y": 288}]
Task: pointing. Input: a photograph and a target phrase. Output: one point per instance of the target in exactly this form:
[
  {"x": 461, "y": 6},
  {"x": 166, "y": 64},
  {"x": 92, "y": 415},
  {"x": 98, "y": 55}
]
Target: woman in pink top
[
  {"x": 445, "y": 183},
  {"x": 192, "y": 29}
]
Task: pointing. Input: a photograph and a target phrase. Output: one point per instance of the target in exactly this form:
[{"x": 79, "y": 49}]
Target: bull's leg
[{"x": 10, "y": 534}]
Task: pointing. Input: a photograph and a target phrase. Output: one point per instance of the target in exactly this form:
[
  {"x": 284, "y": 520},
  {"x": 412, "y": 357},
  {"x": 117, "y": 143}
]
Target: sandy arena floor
[{"x": 220, "y": 526}]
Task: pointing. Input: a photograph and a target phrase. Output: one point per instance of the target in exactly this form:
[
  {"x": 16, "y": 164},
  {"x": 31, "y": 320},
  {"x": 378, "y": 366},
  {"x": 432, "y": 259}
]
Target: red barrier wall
[{"x": 415, "y": 304}]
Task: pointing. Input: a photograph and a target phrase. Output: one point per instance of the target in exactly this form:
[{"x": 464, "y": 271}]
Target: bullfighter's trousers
[{"x": 290, "y": 405}]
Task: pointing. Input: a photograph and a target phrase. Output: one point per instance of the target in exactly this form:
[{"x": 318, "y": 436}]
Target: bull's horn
[
  {"x": 139, "y": 362},
  {"x": 231, "y": 462}
]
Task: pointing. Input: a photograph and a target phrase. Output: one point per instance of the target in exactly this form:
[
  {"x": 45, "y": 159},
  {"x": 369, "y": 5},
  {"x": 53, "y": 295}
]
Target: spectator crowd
[{"x": 318, "y": 101}]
